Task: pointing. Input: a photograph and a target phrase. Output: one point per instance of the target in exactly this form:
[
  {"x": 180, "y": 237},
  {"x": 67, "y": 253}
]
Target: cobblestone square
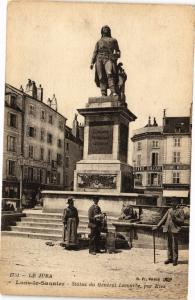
[{"x": 30, "y": 267}]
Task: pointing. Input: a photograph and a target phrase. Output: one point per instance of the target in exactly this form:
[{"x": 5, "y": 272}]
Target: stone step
[
  {"x": 59, "y": 216},
  {"x": 39, "y": 224},
  {"x": 59, "y": 221},
  {"x": 44, "y": 215},
  {"x": 49, "y": 237},
  {"x": 41, "y": 220},
  {"x": 53, "y": 231},
  {"x": 52, "y": 225},
  {"x": 83, "y": 218},
  {"x": 49, "y": 226}
]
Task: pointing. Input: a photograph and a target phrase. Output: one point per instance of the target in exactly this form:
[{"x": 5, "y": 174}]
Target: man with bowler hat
[
  {"x": 95, "y": 223},
  {"x": 172, "y": 221}
]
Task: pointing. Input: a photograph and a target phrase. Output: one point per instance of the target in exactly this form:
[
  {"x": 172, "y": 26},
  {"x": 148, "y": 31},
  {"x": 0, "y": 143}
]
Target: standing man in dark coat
[
  {"x": 94, "y": 215},
  {"x": 172, "y": 221}
]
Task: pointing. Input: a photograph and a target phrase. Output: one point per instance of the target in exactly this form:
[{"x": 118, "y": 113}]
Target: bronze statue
[{"x": 105, "y": 58}]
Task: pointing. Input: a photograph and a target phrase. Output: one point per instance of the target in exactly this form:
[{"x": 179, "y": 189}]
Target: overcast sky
[{"x": 53, "y": 43}]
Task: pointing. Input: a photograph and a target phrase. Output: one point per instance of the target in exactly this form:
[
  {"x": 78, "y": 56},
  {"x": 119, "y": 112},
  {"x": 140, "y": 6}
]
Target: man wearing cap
[
  {"x": 95, "y": 223},
  {"x": 70, "y": 220},
  {"x": 172, "y": 221}
]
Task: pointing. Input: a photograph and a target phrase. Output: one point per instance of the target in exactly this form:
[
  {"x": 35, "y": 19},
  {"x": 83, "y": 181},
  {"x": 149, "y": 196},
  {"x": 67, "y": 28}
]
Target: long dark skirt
[{"x": 70, "y": 233}]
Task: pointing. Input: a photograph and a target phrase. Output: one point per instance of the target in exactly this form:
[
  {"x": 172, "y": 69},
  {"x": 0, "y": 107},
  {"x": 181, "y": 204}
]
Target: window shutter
[
  {"x": 173, "y": 157},
  {"x": 8, "y": 119},
  {"x": 25, "y": 172},
  {"x": 7, "y": 167},
  {"x": 16, "y": 121},
  {"x": 38, "y": 175},
  {"x": 149, "y": 179},
  {"x": 8, "y": 142},
  {"x": 26, "y": 151},
  {"x": 34, "y": 174},
  {"x": 35, "y": 152},
  {"x": 159, "y": 179},
  {"x": 156, "y": 158},
  {"x": 44, "y": 176}
]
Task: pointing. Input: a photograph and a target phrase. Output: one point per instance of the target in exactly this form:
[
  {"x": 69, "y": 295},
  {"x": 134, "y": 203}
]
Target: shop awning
[{"x": 175, "y": 193}]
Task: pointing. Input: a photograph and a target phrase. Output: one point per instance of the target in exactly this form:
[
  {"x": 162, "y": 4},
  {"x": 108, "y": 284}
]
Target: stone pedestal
[{"x": 104, "y": 166}]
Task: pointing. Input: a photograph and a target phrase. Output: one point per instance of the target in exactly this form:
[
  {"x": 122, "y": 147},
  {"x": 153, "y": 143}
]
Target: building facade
[
  {"x": 73, "y": 152},
  {"x": 43, "y": 148},
  {"x": 12, "y": 147},
  {"x": 148, "y": 149},
  {"x": 177, "y": 157},
  {"x": 162, "y": 157},
  {"x": 34, "y": 144}
]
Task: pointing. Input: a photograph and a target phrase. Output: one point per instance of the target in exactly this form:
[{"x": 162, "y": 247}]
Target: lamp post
[{"x": 21, "y": 164}]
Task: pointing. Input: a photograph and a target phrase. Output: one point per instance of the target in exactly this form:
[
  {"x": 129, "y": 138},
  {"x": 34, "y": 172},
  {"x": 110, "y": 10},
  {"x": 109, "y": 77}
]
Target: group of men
[
  {"x": 172, "y": 222},
  {"x": 96, "y": 224}
]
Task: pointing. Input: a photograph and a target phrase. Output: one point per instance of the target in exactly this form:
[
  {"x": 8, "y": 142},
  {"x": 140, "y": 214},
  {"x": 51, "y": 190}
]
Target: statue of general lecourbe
[{"x": 107, "y": 72}]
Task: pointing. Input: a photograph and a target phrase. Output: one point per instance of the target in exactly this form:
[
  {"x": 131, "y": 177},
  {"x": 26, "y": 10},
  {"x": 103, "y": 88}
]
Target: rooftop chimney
[
  {"x": 149, "y": 122},
  {"x": 164, "y": 117},
  {"x": 34, "y": 90},
  {"x": 40, "y": 93},
  {"x": 155, "y": 123},
  {"x": 31, "y": 89},
  {"x": 28, "y": 86},
  {"x": 49, "y": 102},
  {"x": 54, "y": 102}
]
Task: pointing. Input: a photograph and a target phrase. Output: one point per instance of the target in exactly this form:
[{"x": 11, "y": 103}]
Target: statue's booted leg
[
  {"x": 109, "y": 72},
  {"x": 111, "y": 85},
  {"x": 103, "y": 88}
]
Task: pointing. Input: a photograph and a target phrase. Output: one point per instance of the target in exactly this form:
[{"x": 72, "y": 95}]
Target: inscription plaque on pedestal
[{"x": 100, "y": 137}]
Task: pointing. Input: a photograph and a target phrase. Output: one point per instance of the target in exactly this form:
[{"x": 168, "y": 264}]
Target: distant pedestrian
[
  {"x": 71, "y": 222},
  {"x": 95, "y": 224},
  {"x": 23, "y": 201},
  {"x": 38, "y": 197},
  {"x": 172, "y": 221}
]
